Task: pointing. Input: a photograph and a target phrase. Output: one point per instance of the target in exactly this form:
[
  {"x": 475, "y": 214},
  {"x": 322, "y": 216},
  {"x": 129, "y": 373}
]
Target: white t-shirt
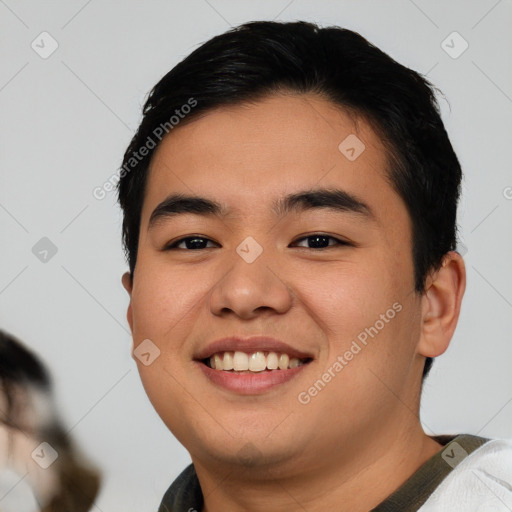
[{"x": 480, "y": 482}]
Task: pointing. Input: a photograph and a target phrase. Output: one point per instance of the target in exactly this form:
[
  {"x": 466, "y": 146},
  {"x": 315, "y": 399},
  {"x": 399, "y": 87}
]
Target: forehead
[{"x": 250, "y": 155}]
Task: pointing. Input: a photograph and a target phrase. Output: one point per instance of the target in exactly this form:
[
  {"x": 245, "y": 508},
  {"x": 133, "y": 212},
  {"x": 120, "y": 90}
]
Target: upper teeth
[{"x": 255, "y": 362}]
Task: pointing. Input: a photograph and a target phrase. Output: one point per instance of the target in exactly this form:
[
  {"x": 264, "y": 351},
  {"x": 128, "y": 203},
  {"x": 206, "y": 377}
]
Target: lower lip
[{"x": 250, "y": 383}]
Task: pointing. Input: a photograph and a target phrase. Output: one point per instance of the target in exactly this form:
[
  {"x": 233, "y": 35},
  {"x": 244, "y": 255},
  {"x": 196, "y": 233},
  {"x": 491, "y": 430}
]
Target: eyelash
[{"x": 339, "y": 242}]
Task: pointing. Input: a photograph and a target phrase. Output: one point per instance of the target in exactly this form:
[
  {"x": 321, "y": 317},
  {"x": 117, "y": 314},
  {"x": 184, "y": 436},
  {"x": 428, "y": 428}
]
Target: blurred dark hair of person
[{"x": 33, "y": 441}]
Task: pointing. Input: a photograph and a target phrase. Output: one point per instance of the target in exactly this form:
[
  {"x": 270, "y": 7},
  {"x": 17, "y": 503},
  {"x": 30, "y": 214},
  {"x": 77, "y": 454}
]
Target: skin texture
[{"x": 359, "y": 438}]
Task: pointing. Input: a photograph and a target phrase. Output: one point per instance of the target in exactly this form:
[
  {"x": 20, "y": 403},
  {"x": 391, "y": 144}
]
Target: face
[{"x": 333, "y": 283}]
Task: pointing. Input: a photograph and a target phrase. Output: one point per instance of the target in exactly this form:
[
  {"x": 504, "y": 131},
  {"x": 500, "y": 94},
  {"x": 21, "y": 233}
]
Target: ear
[
  {"x": 128, "y": 286},
  {"x": 441, "y": 304}
]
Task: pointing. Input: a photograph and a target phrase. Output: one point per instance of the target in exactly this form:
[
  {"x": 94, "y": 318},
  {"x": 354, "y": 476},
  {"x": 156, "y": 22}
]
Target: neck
[{"x": 357, "y": 481}]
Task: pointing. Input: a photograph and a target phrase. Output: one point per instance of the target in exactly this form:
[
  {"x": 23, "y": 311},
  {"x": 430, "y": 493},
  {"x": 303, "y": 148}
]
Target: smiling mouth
[{"x": 254, "y": 362}]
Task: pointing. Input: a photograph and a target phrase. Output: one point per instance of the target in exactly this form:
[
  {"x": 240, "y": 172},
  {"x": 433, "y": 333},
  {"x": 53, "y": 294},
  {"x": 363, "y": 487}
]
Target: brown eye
[
  {"x": 191, "y": 242},
  {"x": 320, "y": 241}
]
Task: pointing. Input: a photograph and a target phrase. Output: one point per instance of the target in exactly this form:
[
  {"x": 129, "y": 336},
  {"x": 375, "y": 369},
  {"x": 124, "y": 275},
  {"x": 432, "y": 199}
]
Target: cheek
[
  {"x": 361, "y": 310},
  {"x": 160, "y": 298},
  {"x": 346, "y": 299}
]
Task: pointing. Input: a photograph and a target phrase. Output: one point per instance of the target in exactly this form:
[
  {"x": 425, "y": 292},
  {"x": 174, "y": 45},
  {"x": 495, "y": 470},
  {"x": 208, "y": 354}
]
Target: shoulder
[{"x": 481, "y": 481}]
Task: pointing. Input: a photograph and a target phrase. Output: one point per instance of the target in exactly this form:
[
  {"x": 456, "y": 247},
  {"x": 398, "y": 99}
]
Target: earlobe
[{"x": 441, "y": 305}]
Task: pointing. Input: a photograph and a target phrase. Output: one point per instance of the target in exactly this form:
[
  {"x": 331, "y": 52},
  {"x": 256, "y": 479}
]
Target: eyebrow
[{"x": 335, "y": 200}]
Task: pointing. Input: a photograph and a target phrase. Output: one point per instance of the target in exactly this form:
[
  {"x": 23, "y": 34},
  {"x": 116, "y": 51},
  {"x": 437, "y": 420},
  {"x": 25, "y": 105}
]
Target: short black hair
[{"x": 259, "y": 58}]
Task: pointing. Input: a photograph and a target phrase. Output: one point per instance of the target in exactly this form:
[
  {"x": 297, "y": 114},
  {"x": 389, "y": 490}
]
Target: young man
[{"x": 289, "y": 205}]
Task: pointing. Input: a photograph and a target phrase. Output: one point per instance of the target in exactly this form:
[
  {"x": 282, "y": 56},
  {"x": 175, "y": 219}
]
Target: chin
[{"x": 245, "y": 454}]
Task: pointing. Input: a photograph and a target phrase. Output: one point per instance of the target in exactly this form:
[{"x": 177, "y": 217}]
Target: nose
[{"x": 250, "y": 288}]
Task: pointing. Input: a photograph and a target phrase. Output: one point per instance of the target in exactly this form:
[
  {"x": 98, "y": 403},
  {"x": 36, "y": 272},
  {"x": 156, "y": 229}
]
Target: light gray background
[{"x": 66, "y": 121}]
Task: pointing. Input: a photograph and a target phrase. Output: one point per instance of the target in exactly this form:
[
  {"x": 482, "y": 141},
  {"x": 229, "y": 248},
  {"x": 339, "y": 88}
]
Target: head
[
  {"x": 28, "y": 418},
  {"x": 269, "y": 110}
]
